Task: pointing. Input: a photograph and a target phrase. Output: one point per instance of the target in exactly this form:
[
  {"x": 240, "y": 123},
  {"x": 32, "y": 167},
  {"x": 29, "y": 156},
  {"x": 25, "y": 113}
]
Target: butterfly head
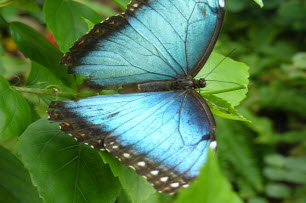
[
  {"x": 185, "y": 84},
  {"x": 201, "y": 83}
]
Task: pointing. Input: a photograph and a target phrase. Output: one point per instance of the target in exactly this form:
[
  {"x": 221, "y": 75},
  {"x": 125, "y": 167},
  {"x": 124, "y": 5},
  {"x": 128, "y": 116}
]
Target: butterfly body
[
  {"x": 160, "y": 126},
  {"x": 159, "y": 86}
]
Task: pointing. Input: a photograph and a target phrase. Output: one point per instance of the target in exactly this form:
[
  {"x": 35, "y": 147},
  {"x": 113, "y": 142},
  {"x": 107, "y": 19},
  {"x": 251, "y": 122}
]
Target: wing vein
[
  {"x": 163, "y": 46},
  {"x": 186, "y": 38},
  {"x": 166, "y": 62},
  {"x": 133, "y": 66}
]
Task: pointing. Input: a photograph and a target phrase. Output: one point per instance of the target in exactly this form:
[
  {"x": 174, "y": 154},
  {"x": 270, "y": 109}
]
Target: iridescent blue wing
[
  {"x": 164, "y": 136},
  {"x": 154, "y": 40}
]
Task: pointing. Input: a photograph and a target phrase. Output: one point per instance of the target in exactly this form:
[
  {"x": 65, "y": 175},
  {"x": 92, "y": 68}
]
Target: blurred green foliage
[{"x": 264, "y": 159}]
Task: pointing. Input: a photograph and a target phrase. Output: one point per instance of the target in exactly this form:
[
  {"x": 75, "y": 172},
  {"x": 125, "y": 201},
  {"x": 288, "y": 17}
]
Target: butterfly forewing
[{"x": 154, "y": 40}]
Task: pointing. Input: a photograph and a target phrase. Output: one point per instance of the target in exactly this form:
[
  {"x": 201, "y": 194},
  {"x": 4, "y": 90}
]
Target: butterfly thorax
[{"x": 160, "y": 86}]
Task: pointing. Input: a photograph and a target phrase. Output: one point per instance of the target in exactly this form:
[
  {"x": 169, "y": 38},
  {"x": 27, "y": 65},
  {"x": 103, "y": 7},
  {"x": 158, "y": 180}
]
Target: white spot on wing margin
[
  {"x": 221, "y": 3},
  {"x": 213, "y": 145}
]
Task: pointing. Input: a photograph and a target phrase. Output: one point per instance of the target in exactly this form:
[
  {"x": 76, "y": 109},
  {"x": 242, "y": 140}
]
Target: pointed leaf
[
  {"x": 136, "y": 186},
  {"x": 259, "y": 2},
  {"x": 122, "y": 4},
  {"x": 64, "y": 18},
  {"x": 64, "y": 170},
  {"x": 36, "y": 47},
  {"x": 41, "y": 77},
  {"x": 222, "y": 76},
  {"x": 210, "y": 186},
  {"x": 235, "y": 147},
  {"x": 222, "y": 108},
  {"x": 277, "y": 190},
  {"x": 5, "y": 2},
  {"x": 15, "y": 180},
  {"x": 29, "y": 5},
  {"x": 15, "y": 112},
  {"x": 278, "y": 174}
]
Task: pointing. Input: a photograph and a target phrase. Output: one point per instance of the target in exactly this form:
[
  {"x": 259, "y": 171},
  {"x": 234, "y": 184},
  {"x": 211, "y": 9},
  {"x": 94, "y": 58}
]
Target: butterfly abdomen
[{"x": 161, "y": 86}]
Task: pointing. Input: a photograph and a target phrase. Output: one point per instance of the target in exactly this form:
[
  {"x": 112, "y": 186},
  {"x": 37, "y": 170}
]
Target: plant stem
[
  {"x": 55, "y": 92},
  {"x": 224, "y": 90}
]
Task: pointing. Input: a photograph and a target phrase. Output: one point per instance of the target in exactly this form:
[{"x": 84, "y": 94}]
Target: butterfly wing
[
  {"x": 153, "y": 40},
  {"x": 185, "y": 30},
  {"x": 164, "y": 136}
]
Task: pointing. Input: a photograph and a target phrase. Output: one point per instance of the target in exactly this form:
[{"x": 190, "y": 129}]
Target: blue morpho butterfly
[{"x": 162, "y": 128}]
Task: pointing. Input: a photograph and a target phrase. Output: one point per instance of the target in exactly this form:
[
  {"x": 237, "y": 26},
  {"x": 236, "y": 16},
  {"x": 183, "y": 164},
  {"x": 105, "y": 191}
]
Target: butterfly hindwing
[
  {"x": 164, "y": 136},
  {"x": 154, "y": 40}
]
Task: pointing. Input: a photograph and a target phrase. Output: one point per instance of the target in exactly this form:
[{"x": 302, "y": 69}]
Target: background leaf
[
  {"x": 42, "y": 77},
  {"x": 36, "y": 47},
  {"x": 259, "y": 2},
  {"x": 68, "y": 26},
  {"x": 15, "y": 182},
  {"x": 222, "y": 108},
  {"x": 222, "y": 75},
  {"x": 234, "y": 148},
  {"x": 121, "y": 3},
  {"x": 5, "y": 2},
  {"x": 15, "y": 112},
  {"x": 29, "y": 5},
  {"x": 136, "y": 187},
  {"x": 64, "y": 170},
  {"x": 210, "y": 186}
]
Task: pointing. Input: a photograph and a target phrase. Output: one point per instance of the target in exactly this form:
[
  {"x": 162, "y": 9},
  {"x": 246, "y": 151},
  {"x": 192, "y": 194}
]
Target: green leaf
[
  {"x": 278, "y": 174},
  {"x": 12, "y": 66},
  {"x": 137, "y": 188},
  {"x": 29, "y": 5},
  {"x": 15, "y": 112},
  {"x": 257, "y": 200},
  {"x": 64, "y": 19},
  {"x": 122, "y": 4},
  {"x": 275, "y": 96},
  {"x": 222, "y": 108},
  {"x": 293, "y": 163},
  {"x": 277, "y": 190},
  {"x": 259, "y": 2},
  {"x": 289, "y": 169},
  {"x": 41, "y": 77},
  {"x": 289, "y": 137},
  {"x": 36, "y": 47},
  {"x": 234, "y": 146},
  {"x": 15, "y": 181},
  {"x": 245, "y": 189},
  {"x": 154, "y": 198},
  {"x": 5, "y": 2},
  {"x": 210, "y": 186},
  {"x": 261, "y": 125},
  {"x": 64, "y": 170},
  {"x": 104, "y": 9},
  {"x": 299, "y": 60},
  {"x": 223, "y": 76},
  {"x": 90, "y": 24}
]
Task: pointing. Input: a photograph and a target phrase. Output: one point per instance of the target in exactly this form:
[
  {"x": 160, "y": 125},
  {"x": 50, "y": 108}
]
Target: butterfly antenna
[
  {"x": 224, "y": 81},
  {"x": 220, "y": 63}
]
